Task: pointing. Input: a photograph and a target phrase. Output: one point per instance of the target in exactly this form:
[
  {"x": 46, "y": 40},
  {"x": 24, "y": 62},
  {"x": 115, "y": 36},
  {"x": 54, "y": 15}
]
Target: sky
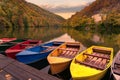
[{"x": 64, "y": 8}]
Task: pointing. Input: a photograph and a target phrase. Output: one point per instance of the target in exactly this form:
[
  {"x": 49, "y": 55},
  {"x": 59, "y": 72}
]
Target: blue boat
[{"x": 37, "y": 53}]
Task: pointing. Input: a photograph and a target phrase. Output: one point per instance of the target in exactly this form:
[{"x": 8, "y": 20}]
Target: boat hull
[
  {"x": 115, "y": 76},
  {"x": 59, "y": 64},
  {"x": 94, "y": 77},
  {"x": 3, "y": 40},
  {"x": 31, "y": 58},
  {"x": 59, "y": 67},
  {"x": 5, "y": 46},
  {"x": 84, "y": 72},
  {"x": 36, "y": 54},
  {"x": 12, "y": 51}
]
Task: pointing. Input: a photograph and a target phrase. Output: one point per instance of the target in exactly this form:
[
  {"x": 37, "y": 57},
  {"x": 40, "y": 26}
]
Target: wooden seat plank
[
  {"x": 67, "y": 49},
  {"x": 101, "y": 50},
  {"x": 116, "y": 71},
  {"x": 74, "y": 54},
  {"x": 89, "y": 58},
  {"x": 98, "y": 61},
  {"x": 97, "y": 56},
  {"x": 117, "y": 61},
  {"x": 89, "y": 65},
  {"x": 103, "y": 63}
]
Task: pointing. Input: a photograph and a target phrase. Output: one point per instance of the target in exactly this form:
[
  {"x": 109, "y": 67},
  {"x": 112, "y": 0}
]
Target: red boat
[
  {"x": 3, "y": 40},
  {"x": 12, "y": 51}
]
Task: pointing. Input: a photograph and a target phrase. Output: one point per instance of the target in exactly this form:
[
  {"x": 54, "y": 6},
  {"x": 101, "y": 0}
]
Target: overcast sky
[{"x": 64, "y": 8}]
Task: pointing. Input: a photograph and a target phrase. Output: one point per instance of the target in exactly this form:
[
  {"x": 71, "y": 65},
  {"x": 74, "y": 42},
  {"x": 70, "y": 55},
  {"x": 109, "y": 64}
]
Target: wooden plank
[
  {"x": 20, "y": 73},
  {"x": 6, "y": 76},
  {"x": 116, "y": 71},
  {"x": 104, "y": 57},
  {"x": 67, "y": 49},
  {"x": 5, "y": 61},
  {"x": 11, "y": 69},
  {"x": 35, "y": 72},
  {"x": 90, "y": 65},
  {"x": 101, "y": 50}
]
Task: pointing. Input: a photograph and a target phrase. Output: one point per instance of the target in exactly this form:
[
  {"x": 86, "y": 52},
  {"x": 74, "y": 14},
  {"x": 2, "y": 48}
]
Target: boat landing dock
[{"x": 11, "y": 69}]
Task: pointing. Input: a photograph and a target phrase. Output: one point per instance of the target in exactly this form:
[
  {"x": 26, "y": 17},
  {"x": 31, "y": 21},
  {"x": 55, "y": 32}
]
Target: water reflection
[
  {"x": 44, "y": 33},
  {"x": 48, "y": 33}
]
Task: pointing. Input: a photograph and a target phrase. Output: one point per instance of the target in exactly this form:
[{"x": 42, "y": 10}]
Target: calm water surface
[{"x": 47, "y": 33}]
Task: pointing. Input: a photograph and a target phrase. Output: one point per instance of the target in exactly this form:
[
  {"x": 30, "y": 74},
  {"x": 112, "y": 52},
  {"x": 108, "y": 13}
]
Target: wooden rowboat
[
  {"x": 61, "y": 57},
  {"x": 3, "y": 40},
  {"x": 12, "y": 51},
  {"x": 34, "y": 55},
  {"x": 7, "y": 45},
  {"x": 92, "y": 63},
  {"x": 115, "y": 68}
]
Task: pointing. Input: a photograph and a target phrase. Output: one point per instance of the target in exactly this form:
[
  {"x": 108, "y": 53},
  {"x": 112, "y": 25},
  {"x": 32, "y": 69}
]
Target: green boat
[{"x": 7, "y": 45}]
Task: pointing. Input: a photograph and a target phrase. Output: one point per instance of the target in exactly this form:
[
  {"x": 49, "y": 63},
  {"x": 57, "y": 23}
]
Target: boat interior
[
  {"x": 29, "y": 44},
  {"x": 116, "y": 65},
  {"x": 98, "y": 59},
  {"x": 49, "y": 48},
  {"x": 69, "y": 51}
]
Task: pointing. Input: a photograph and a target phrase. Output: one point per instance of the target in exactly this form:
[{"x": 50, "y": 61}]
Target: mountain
[
  {"x": 97, "y": 7},
  {"x": 19, "y": 13}
]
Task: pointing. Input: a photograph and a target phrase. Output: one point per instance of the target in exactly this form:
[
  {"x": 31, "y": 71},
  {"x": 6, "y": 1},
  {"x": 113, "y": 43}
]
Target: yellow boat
[
  {"x": 92, "y": 63},
  {"x": 60, "y": 58}
]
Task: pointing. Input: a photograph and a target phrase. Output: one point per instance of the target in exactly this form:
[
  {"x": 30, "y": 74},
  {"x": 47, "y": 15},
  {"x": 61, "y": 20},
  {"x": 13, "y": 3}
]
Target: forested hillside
[
  {"x": 19, "y": 13},
  {"x": 109, "y": 11}
]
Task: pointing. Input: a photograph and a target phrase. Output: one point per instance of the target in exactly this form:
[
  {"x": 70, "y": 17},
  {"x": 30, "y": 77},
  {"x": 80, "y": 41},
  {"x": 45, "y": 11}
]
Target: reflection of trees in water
[
  {"x": 105, "y": 40},
  {"x": 43, "y": 33},
  {"x": 46, "y": 34}
]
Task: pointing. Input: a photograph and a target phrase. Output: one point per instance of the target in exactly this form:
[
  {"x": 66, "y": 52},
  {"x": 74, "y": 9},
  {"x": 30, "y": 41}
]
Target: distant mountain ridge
[
  {"x": 19, "y": 13},
  {"x": 97, "y": 6}
]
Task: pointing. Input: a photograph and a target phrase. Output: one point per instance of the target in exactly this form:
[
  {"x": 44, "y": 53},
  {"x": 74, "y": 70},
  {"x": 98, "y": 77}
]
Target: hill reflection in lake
[{"x": 48, "y": 33}]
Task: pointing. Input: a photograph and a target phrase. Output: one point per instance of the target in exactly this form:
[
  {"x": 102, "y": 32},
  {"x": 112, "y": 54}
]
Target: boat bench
[
  {"x": 68, "y": 49},
  {"x": 117, "y": 61},
  {"x": 116, "y": 71},
  {"x": 116, "y": 67},
  {"x": 100, "y": 50},
  {"x": 95, "y": 60},
  {"x": 94, "y": 55},
  {"x": 90, "y": 65},
  {"x": 68, "y": 52},
  {"x": 75, "y": 45}
]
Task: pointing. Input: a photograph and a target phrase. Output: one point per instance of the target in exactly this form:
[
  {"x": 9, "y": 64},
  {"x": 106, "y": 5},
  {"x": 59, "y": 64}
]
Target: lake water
[{"x": 47, "y": 33}]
